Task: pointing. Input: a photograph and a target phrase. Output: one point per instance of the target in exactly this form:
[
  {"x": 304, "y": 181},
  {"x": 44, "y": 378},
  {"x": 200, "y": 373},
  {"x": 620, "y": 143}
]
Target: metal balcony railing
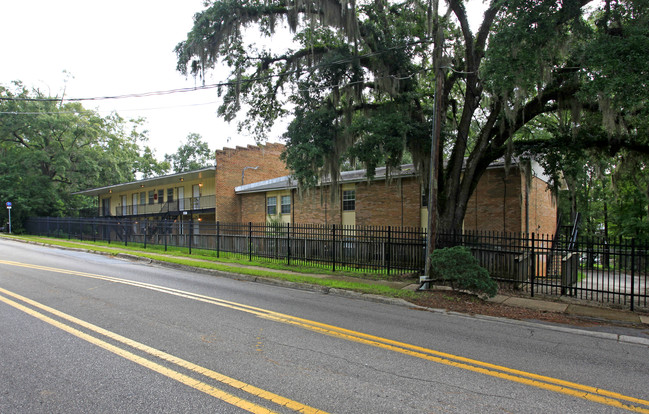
[{"x": 169, "y": 207}]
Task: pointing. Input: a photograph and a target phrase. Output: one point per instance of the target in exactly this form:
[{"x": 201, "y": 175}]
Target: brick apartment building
[
  {"x": 205, "y": 194},
  {"x": 505, "y": 200},
  {"x": 250, "y": 184}
]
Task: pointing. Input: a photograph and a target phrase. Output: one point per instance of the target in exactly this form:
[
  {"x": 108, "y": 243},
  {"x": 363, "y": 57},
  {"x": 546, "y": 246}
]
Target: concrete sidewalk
[{"x": 572, "y": 309}]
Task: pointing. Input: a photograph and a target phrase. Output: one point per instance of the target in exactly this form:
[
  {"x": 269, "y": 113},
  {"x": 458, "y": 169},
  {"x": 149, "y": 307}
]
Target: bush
[{"x": 457, "y": 267}]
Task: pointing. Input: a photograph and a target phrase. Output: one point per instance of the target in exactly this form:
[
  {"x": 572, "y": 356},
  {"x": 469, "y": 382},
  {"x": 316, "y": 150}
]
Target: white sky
[{"x": 115, "y": 48}]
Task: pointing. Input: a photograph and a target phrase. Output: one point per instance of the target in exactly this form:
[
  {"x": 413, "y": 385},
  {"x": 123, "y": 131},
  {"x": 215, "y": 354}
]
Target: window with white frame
[
  {"x": 286, "y": 204},
  {"x": 349, "y": 200},
  {"x": 271, "y": 206}
]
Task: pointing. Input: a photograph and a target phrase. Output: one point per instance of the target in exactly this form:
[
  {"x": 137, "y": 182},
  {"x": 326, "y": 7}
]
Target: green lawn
[{"x": 206, "y": 259}]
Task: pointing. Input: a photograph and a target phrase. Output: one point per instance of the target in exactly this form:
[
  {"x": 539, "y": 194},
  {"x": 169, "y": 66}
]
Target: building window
[
  {"x": 161, "y": 196},
  {"x": 170, "y": 195},
  {"x": 286, "y": 204},
  {"x": 424, "y": 198},
  {"x": 151, "y": 196},
  {"x": 142, "y": 197},
  {"x": 349, "y": 200},
  {"x": 271, "y": 206}
]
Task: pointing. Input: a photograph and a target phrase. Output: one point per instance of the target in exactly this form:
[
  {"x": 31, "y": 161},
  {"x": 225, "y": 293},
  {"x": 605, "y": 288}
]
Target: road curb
[
  {"x": 401, "y": 302},
  {"x": 369, "y": 297}
]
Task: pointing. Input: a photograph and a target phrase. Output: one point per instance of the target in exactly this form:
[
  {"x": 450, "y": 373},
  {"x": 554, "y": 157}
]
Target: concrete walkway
[{"x": 572, "y": 309}]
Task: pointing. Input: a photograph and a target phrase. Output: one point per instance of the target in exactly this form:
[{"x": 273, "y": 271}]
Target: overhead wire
[{"x": 219, "y": 84}]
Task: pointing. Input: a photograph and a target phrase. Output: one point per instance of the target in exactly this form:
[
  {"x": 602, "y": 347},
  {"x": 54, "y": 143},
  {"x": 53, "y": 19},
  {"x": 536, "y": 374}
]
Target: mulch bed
[{"x": 472, "y": 305}]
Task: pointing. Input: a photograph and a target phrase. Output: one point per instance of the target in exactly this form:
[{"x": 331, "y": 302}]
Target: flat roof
[
  {"x": 206, "y": 172},
  {"x": 287, "y": 182},
  {"x": 407, "y": 170}
]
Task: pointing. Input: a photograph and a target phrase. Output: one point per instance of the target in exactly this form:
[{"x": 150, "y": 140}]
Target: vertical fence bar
[
  {"x": 191, "y": 230},
  {"x": 387, "y": 253},
  {"x": 146, "y": 226},
  {"x": 218, "y": 238},
  {"x": 632, "y": 272},
  {"x": 288, "y": 244},
  {"x": 333, "y": 248},
  {"x": 532, "y": 267},
  {"x": 250, "y": 241}
]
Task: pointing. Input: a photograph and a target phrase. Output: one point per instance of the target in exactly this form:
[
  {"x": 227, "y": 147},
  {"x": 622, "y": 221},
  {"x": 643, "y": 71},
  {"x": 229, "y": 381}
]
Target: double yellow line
[
  {"x": 585, "y": 392},
  {"x": 154, "y": 366}
]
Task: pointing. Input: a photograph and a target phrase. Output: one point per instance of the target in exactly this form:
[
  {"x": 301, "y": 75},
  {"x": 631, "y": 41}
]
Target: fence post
[
  {"x": 218, "y": 236},
  {"x": 250, "y": 241},
  {"x": 124, "y": 232},
  {"x": 387, "y": 252},
  {"x": 191, "y": 230},
  {"x": 166, "y": 227},
  {"x": 333, "y": 248},
  {"x": 632, "y": 272},
  {"x": 532, "y": 267},
  {"x": 288, "y": 244},
  {"x": 144, "y": 231}
]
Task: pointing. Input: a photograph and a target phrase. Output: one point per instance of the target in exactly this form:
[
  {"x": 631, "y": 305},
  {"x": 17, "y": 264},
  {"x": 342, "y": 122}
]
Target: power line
[{"x": 216, "y": 85}]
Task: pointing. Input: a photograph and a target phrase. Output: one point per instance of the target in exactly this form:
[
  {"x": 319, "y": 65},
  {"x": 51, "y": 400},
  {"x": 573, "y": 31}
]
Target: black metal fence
[
  {"x": 374, "y": 248},
  {"x": 612, "y": 272},
  {"x": 586, "y": 269}
]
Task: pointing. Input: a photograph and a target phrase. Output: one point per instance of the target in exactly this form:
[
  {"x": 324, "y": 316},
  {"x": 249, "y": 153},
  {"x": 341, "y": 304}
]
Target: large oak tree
[{"x": 359, "y": 80}]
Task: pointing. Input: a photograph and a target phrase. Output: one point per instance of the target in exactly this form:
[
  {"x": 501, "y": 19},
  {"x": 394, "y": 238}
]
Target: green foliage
[
  {"x": 457, "y": 267},
  {"x": 192, "y": 155},
  {"x": 359, "y": 81},
  {"x": 50, "y": 149}
]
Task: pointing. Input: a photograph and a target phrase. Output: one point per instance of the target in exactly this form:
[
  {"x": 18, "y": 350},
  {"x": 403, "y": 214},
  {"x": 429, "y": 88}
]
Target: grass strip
[{"x": 205, "y": 262}]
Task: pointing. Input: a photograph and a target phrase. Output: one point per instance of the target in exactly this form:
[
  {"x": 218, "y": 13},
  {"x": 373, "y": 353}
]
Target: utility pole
[{"x": 435, "y": 138}]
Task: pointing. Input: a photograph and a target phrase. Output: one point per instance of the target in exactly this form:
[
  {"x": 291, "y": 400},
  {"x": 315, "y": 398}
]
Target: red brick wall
[
  {"x": 254, "y": 208},
  {"x": 542, "y": 208},
  {"x": 229, "y": 165},
  {"x": 391, "y": 203},
  {"x": 315, "y": 207},
  {"x": 496, "y": 203}
]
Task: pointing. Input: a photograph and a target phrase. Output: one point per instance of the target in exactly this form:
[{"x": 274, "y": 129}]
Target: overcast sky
[
  {"x": 118, "y": 47},
  {"x": 113, "y": 48}
]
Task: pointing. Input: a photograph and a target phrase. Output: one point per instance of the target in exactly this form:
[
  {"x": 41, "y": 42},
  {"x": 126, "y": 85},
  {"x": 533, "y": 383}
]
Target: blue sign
[{"x": 8, "y": 204}]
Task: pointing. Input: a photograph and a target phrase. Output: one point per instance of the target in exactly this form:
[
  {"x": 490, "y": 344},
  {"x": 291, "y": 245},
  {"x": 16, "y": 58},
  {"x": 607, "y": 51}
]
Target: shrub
[{"x": 457, "y": 267}]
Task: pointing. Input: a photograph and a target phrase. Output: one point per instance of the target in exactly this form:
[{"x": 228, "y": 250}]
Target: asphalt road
[{"x": 89, "y": 333}]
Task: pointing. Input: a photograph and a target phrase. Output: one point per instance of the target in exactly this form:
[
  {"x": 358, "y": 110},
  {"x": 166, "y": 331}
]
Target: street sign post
[{"x": 9, "y": 210}]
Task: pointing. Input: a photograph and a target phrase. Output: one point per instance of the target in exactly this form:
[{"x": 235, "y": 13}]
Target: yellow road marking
[
  {"x": 191, "y": 382},
  {"x": 548, "y": 383},
  {"x": 250, "y": 389}
]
